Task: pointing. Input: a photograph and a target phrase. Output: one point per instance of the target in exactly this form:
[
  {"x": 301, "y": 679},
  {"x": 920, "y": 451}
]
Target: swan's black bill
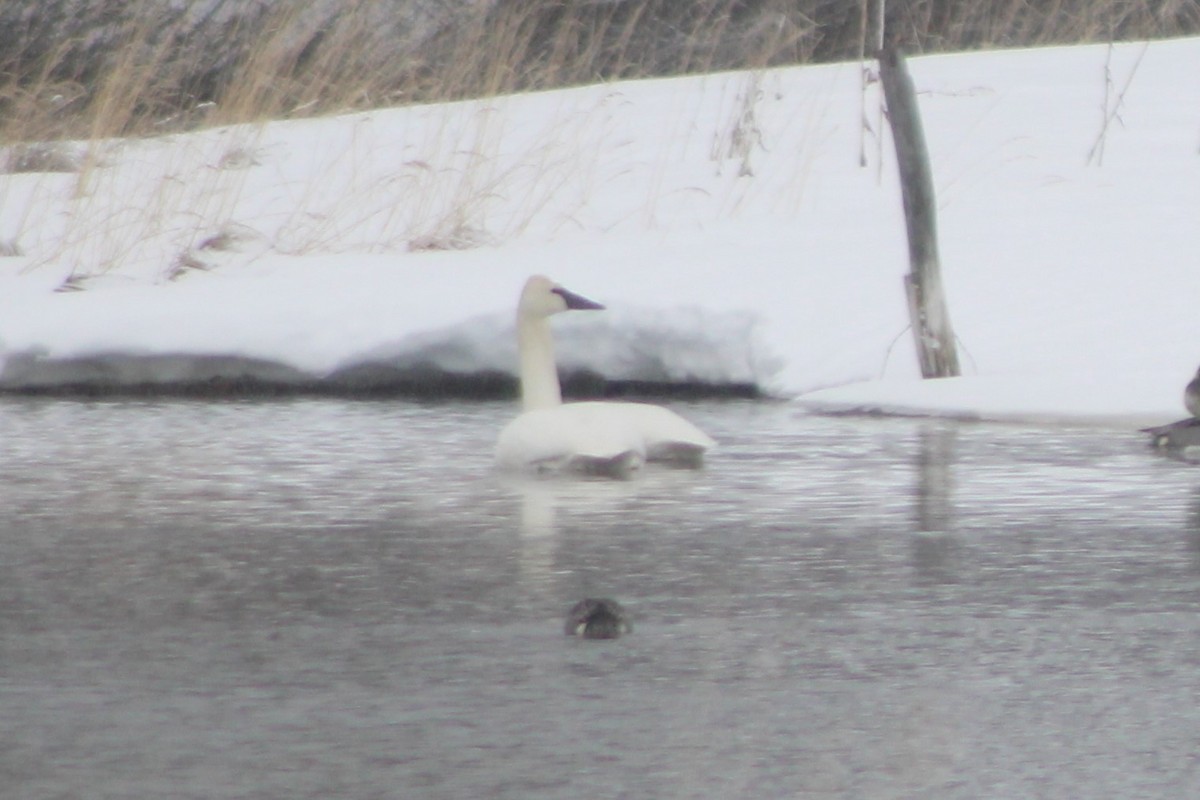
[{"x": 577, "y": 302}]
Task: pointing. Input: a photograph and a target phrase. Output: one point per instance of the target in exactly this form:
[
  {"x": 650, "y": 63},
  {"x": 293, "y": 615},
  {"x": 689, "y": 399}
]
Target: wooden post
[{"x": 923, "y": 285}]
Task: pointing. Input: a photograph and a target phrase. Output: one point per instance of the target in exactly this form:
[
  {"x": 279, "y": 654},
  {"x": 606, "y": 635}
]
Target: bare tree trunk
[{"x": 926, "y": 303}]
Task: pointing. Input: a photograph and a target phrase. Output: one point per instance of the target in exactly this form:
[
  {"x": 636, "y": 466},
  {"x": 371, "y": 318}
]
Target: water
[{"x": 319, "y": 598}]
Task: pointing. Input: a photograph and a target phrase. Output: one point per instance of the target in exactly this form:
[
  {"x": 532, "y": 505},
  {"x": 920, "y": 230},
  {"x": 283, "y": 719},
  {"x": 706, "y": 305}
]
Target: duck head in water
[{"x": 597, "y": 619}]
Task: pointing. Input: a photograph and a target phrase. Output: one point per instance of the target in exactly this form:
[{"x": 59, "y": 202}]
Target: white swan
[{"x": 594, "y": 437}]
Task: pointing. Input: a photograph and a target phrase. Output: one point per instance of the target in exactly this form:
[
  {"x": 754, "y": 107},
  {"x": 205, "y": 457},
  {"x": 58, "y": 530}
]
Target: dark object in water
[
  {"x": 597, "y": 619},
  {"x": 1191, "y": 396},
  {"x": 1182, "y": 439},
  {"x": 1179, "y": 439}
]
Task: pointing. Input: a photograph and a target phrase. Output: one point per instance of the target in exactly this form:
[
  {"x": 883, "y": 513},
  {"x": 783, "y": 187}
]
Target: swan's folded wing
[
  {"x": 572, "y": 436},
  {"x": 600, "y": 438},
  {"x": 661, "y": 427}
]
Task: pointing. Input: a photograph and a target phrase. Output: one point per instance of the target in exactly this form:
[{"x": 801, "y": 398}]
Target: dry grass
[
  {"x": 127, "y": 68},
  {"x": 131, "y": 68}
]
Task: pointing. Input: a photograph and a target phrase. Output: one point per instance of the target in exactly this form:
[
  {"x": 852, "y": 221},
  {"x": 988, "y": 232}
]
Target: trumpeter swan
[{"x": 600, "y": 437}]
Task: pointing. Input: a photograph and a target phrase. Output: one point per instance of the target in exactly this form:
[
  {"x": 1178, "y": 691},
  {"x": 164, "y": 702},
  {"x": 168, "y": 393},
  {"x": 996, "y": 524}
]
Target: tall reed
[{"x": 97, "y": 68}]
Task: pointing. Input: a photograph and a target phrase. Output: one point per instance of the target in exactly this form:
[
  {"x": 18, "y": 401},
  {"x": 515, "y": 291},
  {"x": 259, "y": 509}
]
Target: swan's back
[
  {"x": 600, "y": 437},
  {"x": 666, "y": 435}
]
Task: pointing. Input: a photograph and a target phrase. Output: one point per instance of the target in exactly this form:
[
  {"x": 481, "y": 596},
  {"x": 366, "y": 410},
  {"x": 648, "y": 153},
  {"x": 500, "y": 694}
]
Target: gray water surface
[{"x": 323, "y": 598}]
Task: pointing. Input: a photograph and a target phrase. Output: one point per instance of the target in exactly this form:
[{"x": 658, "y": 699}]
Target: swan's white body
[{"x": 592, "y": 437}]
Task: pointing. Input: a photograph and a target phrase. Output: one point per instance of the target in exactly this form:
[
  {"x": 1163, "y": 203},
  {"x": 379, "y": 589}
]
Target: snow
[{"x": 725, "y": 220}]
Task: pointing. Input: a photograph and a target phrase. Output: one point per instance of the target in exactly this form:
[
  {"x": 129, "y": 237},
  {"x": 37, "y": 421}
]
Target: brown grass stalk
[{"x": 300, "y": 58}]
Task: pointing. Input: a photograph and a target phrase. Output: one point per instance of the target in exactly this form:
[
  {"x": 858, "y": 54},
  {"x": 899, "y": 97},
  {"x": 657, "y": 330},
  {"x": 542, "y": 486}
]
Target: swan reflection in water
[
  {"x": 548, "y": 504},
  {"x": 555, "y": 568}
]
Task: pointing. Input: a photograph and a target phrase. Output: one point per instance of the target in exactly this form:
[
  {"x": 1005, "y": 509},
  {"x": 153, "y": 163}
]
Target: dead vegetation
[{"x": 89, "y": 69}]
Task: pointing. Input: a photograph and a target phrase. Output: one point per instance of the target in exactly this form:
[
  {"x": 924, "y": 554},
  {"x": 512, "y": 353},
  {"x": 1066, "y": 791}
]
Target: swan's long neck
[{"x": 539, "y": 373}]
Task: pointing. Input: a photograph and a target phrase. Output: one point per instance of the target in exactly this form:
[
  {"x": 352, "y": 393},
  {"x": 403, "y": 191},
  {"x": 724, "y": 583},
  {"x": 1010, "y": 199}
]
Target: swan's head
[{"x": 542, "y": 297}]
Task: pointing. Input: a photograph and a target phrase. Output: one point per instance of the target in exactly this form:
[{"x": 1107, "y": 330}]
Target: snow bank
[{"x": 724, "y": 220}]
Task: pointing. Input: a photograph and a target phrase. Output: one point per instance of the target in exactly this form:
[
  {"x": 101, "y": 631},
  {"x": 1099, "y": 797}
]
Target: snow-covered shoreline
[{"x": 724, "y": 220}]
